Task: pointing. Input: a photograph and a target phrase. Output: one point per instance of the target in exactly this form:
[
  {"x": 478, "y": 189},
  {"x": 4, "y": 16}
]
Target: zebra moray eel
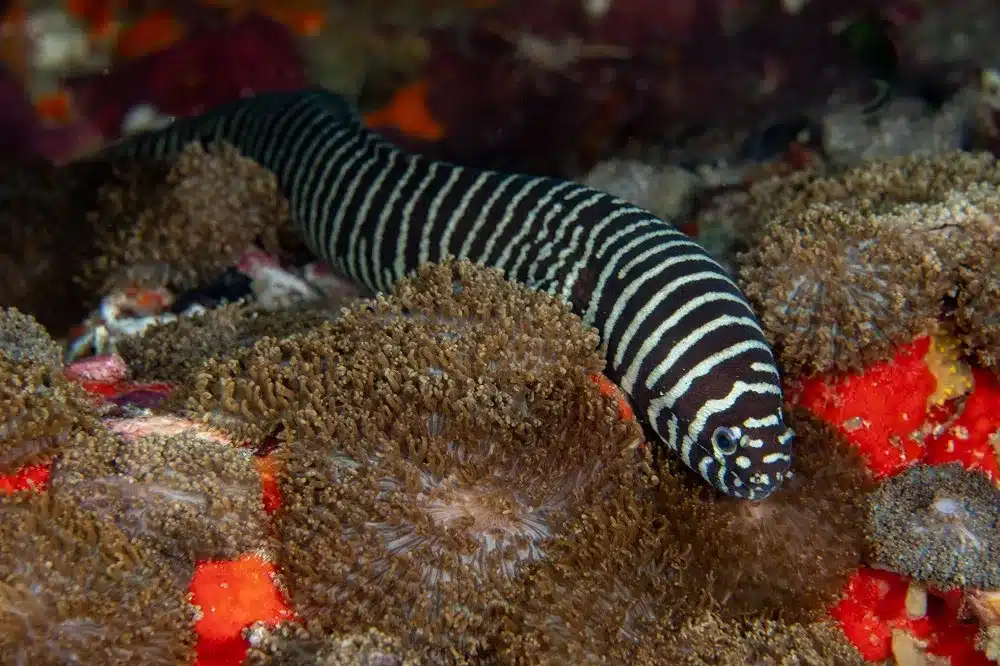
[{"x": 681, "y": 339}]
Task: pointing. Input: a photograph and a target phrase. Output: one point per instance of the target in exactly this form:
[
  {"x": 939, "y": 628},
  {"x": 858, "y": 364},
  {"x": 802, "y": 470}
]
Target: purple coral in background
[
  {"x": 535, "y": 81},
  {"x": 16, "y": 115},
  {"x": 23, "y": 136},
  {"x": 214, "y": 65}
]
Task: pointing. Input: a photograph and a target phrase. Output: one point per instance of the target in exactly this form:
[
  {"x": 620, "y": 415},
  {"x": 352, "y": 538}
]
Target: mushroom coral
[
  {"x": 41, "y": 411},
  {"x": 462, "y": 436},
  {"x": 294, "y": 645},
  {"x": 174, "y": 350},
  {"x": 451, "y": 477},
  {"x": 294, "y": 381},
  {"x": 843, "y": 268},
  {"x": 789, "y": 556},
  {"x": 841, "y": 290},
  {"x": 939, "y": 524},
  {"x": 193, "y": 214},
  {"x": 708, "y": 640},
  {"x": 24, "y": 340},
  {"x": 621, "y": 584},
  {"x": 74, "y": 589},
  {"x": 187, "y": 497}
]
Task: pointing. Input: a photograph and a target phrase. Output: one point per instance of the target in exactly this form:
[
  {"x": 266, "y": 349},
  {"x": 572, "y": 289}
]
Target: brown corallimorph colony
[
  {"x": 185, "y": 496},
  {"x": 622, "y": 584},
  {"x": 295, "y": 645},
  {"x": 939, "y": 524},
  {"x": 74, "y": 589},
  {"x": 848, "y": 289},
  {"x": 708, "y": 640},
  {"x": 790, "y": 554},
  {"x": 41, "y": 412},
  {"x": 221, "y": 202},
  {"x": 172, "y": 351},
  {"x": 454, "y": 480},
  {"x": 977, "y": 311},
  {"x": 24, "y": 340},
  {"x": 843, "y": 268},
  {"x": 294, "y": 382},
  {"x": 466, "y": 437}
]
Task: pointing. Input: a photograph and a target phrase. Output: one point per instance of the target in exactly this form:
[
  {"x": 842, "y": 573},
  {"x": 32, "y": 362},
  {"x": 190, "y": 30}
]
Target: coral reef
[
  {"x": 195, "y": 214},
  {"x": 453, "y": 487},
  {"x": 448, "y": 484},
  {"x": 787, "y": 557},
  {"x": 294, "y": 645},
  {"x": 466, "y": 436},
  {"x": 840, "y": 290},
  {"x": 41, "y": 411},
  {"x": 24, "y": 340},
  {"x": 231, "y": 596},
  {"x": 938, "y": 524},
  {"x": 978, "y": 300},
  {"x": 173, "y": 351},
  {"x": 621, "y": 584},
  {"x": 907, "y": 409},
  {"x": 844, "y": 268},
  {"x": 185, "y": 496},
  {"x": 76, "y": 590},
  {"x": 708, "y": 640},
  {"x": 279, "y": 377},
  {"x": 885, "y": 615}
]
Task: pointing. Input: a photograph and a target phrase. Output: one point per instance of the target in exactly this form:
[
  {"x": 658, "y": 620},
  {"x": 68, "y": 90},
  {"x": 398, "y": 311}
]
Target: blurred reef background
[{"x": 214, "y": 450}]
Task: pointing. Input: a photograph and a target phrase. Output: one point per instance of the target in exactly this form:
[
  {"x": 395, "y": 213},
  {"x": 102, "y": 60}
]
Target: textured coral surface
[{"x": 443, "y": 475}]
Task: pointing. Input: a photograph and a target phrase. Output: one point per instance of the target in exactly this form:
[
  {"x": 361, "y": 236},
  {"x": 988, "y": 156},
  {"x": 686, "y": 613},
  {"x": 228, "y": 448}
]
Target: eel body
[{"x": 681, "y": 339}]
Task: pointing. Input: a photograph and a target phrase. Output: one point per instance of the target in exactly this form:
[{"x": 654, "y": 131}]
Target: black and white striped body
[{"x": 682, "y": 340}]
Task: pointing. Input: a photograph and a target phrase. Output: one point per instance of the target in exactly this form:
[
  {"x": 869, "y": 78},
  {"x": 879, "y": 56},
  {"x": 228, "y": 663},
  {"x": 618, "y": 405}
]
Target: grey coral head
[
  {"x": 939, "y": 524},
  {"x": 836, "y": 289}
]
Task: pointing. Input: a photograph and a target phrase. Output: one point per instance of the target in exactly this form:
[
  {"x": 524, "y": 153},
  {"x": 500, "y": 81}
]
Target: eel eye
[{"x": 726, "y": 440}]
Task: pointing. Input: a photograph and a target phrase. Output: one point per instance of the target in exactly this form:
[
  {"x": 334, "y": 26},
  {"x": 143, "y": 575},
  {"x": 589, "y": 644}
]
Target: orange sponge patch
[
  {"x": 232, "y": 595},
  {"x": 881, "y": 411}
]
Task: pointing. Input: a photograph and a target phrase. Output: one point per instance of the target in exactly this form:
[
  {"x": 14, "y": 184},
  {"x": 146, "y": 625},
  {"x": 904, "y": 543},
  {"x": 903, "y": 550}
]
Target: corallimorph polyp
[{"x": 464, "y": 438}]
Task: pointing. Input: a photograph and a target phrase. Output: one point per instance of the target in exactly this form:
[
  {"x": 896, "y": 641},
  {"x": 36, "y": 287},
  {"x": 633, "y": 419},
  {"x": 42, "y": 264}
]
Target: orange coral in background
[
  {"x": 408, "y": 112},
  {"x": 99, "y": 16},
  {"x": 149, "y": 34}
]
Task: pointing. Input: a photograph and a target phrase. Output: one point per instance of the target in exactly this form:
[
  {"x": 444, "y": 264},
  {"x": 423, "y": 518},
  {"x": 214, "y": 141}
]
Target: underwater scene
[{"x": 499, "y": 332}]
